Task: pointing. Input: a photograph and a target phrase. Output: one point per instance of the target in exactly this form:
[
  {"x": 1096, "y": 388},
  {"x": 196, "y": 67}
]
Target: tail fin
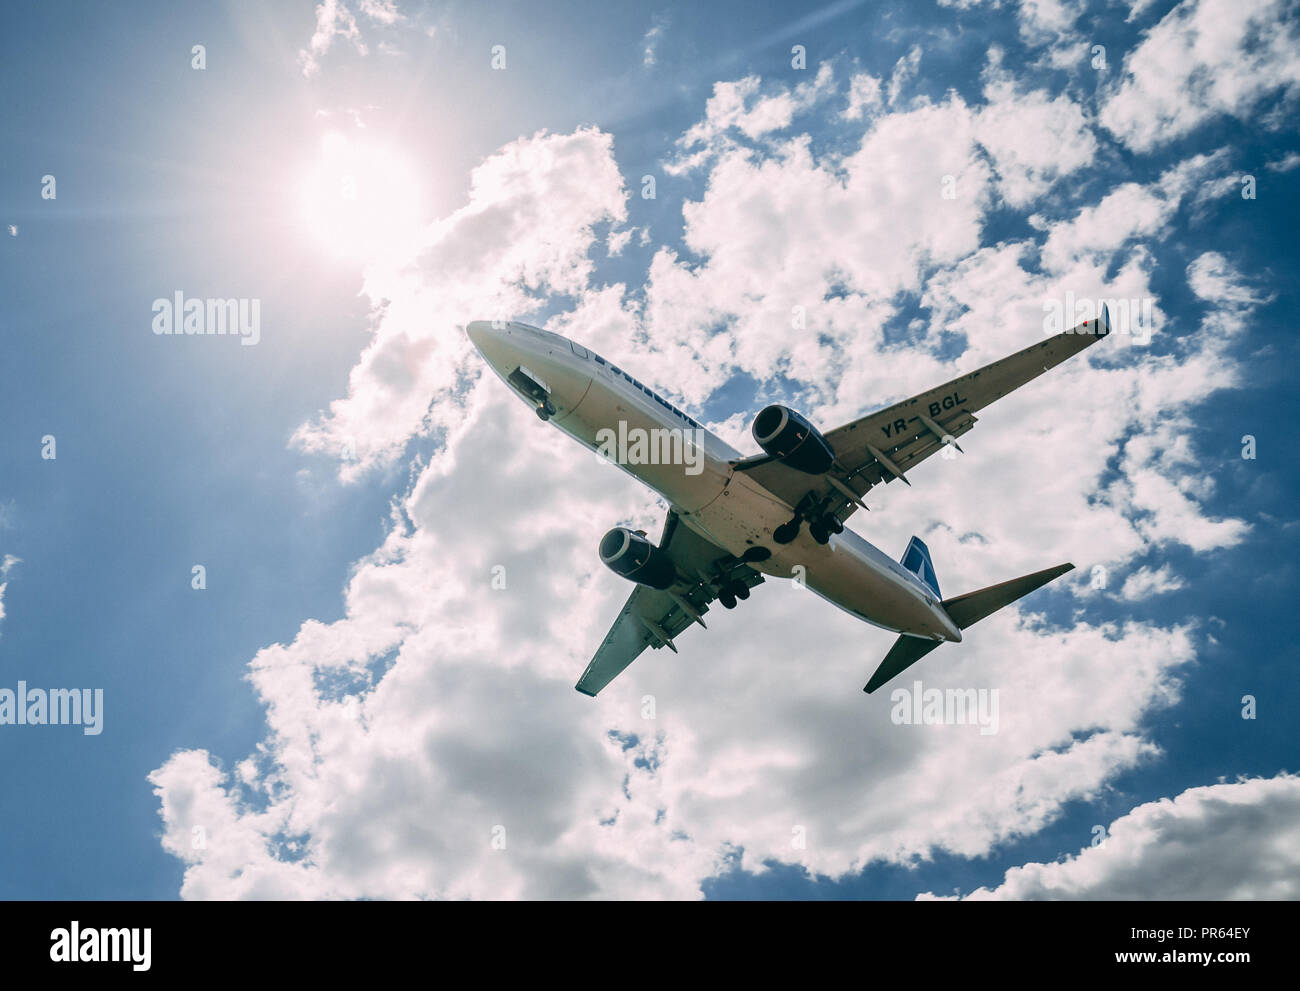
[
  {"x": 965, "y": 610},
  {"x": 916, "y": 559}
]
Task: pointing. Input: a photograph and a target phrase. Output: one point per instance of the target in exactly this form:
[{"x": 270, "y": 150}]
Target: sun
[{"x": 360, "y": 199}]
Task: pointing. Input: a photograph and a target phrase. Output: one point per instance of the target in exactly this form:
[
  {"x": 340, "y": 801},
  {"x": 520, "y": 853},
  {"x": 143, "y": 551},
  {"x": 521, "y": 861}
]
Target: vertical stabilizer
[{"x": 916, "y": 559}]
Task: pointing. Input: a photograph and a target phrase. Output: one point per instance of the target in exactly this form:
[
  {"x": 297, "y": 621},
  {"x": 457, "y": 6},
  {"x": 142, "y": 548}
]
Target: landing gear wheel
[
  {"x": 834, "y": 525},
  {"x": 818, "y": 532},
  {"x": 740, "y": 590},
  {"x": 727, "y": 599},
  {"x": 786, "y": 532},
  {"x": 546, "y": 410}
]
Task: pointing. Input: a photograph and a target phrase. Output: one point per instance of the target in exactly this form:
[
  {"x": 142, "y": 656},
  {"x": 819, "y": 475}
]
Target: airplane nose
[
  {"x": 495, "y": 345},
  {"x": 479, "y": 332}
]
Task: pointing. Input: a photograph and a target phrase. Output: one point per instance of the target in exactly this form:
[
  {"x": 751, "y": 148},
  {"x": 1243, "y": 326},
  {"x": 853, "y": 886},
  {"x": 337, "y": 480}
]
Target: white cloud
[
  {"x": 1136, "y": 9},
  {"x": 1205, "y": 58},
  {"x": 904, "y": 72},
  {"x": 1131, "y": 211},
  {"x": 1034, "y": 140},
  {"x": 1043, "y": 24},
  {"x": 334, "y": 19},
  {"x": 618, "y": 240},
  {"x": 397, "y": 789},
  {"x": 650, "y": 43},
  {"x": 382, "y": 11},
  {"x": 738, "y": 105},
  {"x": 439, "y": 709},
  {"x": 839, "y": 236},
  {"x": 6, "y": 564},
  {"x": 1214, "y": 279},
  {"x": 864, "y": 96},
  {"x": 1146, "y": 582},
  {"x": 1286, "y": 163},
  {"x": 1051, "y": 24},
  {"x": 1221, "y": 842}
]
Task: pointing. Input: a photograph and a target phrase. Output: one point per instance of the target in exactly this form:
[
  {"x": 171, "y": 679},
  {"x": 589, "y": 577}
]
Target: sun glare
[{"x": 359, "y": 199}]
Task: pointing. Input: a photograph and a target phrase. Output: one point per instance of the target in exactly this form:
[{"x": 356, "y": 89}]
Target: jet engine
[
  {"x": 791, "y": 439},
  {"x": 628, "y": 553}
]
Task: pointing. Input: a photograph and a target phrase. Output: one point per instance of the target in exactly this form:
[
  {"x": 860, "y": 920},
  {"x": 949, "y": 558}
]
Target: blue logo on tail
[{"x": 916, "y": 559}]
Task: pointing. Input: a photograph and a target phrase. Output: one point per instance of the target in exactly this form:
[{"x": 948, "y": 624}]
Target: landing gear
[
  {"x": 730, "y": 592},
  {"x": 787, "y": 532},
  {"x": 819, "y": 528},
  {"x": 823, "y": 526},
  {"x": 546, "y": 410}
]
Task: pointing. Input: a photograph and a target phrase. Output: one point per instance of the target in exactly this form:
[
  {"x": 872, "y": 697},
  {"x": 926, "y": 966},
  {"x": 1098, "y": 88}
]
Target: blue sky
[{"x": 349, "y": 482}]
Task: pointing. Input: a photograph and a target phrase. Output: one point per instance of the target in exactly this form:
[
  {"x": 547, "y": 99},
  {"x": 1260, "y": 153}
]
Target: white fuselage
[{"x": 727, "y": 507}]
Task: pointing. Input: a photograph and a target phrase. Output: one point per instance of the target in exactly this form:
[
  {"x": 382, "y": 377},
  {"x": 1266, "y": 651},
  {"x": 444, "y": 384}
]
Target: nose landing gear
[{"x": 546, "y": 410}]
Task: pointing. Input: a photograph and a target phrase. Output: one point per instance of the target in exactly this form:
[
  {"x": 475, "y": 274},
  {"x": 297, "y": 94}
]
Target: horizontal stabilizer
[
  {"x": 967, "y": 610},
  {"x": 907, "y": 650}
]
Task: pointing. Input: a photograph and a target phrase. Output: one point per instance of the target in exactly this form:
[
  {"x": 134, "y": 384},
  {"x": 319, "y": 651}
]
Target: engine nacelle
[
  {"x": 627, "y": 553},
  {"x": 792, "y": 440}
]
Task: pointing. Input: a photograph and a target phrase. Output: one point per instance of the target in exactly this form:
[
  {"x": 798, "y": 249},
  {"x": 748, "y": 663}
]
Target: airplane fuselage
[{"x": 592, "y": 400}]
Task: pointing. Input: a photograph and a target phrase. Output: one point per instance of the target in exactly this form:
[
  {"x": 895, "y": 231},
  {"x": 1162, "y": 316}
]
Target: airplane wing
[
  {"x": 651, "y": 618},
  {"x": 886, "y": 444}
]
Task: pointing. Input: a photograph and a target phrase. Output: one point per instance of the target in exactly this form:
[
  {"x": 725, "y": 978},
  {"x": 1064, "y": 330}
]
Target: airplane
[{"x": 734, "y": 520}]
